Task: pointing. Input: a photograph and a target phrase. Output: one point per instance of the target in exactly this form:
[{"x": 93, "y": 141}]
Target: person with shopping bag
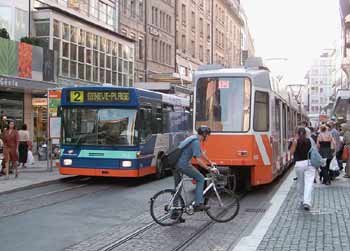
[
  {"x": 300, "y": 149},
  {"x": 326, "y": 147}
]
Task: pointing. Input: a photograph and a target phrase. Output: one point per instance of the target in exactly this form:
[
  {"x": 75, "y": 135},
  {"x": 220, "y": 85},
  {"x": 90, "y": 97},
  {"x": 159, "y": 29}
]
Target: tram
[
  {"x": 251, "y": 121},
  {"x": 119, "y": 132}
]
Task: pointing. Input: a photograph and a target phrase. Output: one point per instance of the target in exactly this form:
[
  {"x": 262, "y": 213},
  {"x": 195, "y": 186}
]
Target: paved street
[{"x": 89, "y": 214}]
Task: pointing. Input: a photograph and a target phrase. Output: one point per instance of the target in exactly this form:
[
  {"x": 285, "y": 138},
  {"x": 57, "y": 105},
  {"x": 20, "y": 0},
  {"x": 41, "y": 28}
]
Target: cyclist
[{"x": 192, "y": 150}]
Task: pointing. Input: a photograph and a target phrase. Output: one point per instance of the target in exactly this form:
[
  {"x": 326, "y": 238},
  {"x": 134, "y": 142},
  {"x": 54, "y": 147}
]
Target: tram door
[{"x": 277, "y": 136}]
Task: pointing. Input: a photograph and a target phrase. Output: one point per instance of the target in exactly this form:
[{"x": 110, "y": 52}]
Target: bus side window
[
  {"x": 157, "y": 124},
  {"x": 145, "y": 124},
  {"x": 167, "y": 115}
]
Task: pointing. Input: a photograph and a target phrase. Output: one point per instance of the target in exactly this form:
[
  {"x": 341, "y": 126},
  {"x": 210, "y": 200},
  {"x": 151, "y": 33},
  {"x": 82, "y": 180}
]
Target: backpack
[
  {"x": 315, "y": 158},
  {"x": 170, "y": 158}
]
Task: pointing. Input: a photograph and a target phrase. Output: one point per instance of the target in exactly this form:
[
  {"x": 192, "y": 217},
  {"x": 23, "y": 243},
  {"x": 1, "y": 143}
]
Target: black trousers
[{"x": 325, "y": 173}]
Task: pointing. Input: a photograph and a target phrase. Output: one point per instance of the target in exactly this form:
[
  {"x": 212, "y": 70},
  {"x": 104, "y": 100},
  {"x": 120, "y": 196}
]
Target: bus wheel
[{"x": 159, "y": 168}]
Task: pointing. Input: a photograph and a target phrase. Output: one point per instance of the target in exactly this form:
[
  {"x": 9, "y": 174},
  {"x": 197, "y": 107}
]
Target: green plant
[
  {"x": 4, "y": 33},
  {"x": 31, "y": 40}
]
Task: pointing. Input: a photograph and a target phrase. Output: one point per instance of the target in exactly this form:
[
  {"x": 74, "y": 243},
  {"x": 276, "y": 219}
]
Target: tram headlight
[
  {"x": 67, "y": 162},
  {"x": 126, "y": 163}
]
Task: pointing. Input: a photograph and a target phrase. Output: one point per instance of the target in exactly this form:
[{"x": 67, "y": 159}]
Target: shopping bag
[
  {"x": 30, "y": 158},
  {"x": 333, "y": 166},
  {"x": 345, "y": 155}
]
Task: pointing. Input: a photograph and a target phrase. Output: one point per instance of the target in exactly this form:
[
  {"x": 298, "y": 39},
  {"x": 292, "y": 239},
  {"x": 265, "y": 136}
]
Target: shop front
[{"x": 25, "y": 102}]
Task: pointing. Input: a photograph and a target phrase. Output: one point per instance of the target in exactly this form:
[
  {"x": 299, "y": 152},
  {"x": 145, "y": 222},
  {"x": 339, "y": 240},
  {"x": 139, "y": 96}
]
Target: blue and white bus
[{"x": 119, "y": 132}]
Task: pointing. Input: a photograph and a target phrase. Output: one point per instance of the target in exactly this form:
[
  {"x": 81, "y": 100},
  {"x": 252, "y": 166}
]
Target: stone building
[{"x": 227, "y": 24}]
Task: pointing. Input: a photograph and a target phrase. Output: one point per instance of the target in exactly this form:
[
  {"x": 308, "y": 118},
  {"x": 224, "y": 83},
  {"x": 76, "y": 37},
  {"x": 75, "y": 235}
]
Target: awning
[{"x": 11, "y": 82}]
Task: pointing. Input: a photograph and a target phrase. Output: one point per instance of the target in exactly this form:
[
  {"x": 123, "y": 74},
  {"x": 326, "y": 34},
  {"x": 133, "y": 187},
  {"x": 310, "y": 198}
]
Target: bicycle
[{"x": 167, "y": 206}]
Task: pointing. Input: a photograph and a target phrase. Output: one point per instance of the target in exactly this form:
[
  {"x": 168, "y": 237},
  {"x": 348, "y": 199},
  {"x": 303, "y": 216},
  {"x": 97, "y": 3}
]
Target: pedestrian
[
  {"x": 338, "y": 145},
  {"x": 346, "y": 140},
  {"x": 326, "y": 147},
  {"x": 305, "y": 172},
  {"x": 11, "y": 142},
  {"x": 23, "y": 147}
]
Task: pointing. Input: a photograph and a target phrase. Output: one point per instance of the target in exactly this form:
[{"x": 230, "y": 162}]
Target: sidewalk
[
  {"x": 325, "y": 227},
  {"x": 34, "y": 175}
]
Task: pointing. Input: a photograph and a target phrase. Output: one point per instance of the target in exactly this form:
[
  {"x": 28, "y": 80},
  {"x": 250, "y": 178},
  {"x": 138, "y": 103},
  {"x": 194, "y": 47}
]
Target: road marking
[{"x": 252, "y": 241}]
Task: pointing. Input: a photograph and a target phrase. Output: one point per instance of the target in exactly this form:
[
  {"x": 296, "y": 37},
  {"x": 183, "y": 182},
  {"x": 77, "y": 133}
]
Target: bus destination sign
[{"x": 99, "y": 96}]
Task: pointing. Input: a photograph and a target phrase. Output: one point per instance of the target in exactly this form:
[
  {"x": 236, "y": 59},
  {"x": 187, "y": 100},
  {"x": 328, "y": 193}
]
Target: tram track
[
  {"x": 186, "y": 243},
  {"x": 12, "y": 207},
  {"x": 148, "y": 227}
]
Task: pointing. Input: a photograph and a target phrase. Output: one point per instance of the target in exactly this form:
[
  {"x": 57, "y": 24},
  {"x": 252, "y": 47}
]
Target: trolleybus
[{"x": 120, "y": 132}]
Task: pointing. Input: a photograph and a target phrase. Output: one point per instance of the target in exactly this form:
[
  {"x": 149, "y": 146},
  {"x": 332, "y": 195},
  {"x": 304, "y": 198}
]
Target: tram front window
[
  {"x": 223, "y": 104},
  {"x": 105, "y": 127}
]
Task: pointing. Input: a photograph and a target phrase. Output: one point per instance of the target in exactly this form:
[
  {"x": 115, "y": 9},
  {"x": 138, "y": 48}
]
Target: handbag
[
  {"x": 345, "y": 155},
  {"x": 315, "y": 157},
  {"x": 333, "y": 166}
]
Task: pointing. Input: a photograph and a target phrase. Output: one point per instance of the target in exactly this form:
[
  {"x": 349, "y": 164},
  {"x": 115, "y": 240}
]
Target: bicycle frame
[{"x": 179, "y": 188}]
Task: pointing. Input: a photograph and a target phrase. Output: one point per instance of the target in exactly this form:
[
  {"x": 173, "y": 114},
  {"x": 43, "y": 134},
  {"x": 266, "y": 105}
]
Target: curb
[{"x": 39, "y": 184}]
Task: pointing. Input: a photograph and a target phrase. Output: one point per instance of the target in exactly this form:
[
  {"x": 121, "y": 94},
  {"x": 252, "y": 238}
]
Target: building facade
[
  {"x": 132, "y": 24},
  {"x": 193, "y": 35},
  {"x": 160, "y": 29},
  {"x": 320, "y": 81},
  {"x": 89, "y": 50},
  {"x": 227, "y": 26},
  {"x": 247, "y": 46}
]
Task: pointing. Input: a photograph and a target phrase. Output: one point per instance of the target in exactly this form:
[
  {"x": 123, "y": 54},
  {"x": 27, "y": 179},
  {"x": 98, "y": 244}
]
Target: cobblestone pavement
[
  {"x": 326, "y": 227},
  {"x": 218, "y": 237}
]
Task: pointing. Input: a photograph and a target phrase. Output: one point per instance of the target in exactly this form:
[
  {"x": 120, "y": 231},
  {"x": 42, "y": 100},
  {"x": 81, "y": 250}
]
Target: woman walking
[
  {"x": 11, "y": 141},
  {"x": 23, "y": 145},
  {"x": 326, "y": 147},
  {"x": 305, "y": 172}
]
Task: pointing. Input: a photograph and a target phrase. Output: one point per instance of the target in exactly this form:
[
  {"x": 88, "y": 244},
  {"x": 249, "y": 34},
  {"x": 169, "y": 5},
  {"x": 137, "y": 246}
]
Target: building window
[
  {"x": 133, "y": 8},
  {"x": 183, "y": 43},
  {"x": 193, "y": 49},
  {"x": 201, "y": 53},
  {"x": 102, "y": 15},
  {"x": 193, "y": 21},
  {"x": 201, "y": 27},
  {"x": 183, "y": 14},
  {"x": 94, "y": 8},
  {"x": 110, "y": 15},
  {"x": 87, "y": 56},
  {"x": 141, "y": 11},
  {"x": 141, "y": 48}
]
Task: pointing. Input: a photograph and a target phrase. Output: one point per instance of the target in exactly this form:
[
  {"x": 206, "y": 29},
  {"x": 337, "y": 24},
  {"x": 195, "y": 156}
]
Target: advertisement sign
[
  {"x": 54, "y": 102},
  {"x": 55, "y": 127}
]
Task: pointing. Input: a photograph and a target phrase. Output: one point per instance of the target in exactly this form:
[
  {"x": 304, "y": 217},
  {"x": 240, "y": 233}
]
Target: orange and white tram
[{"x": 251, "y": 122}]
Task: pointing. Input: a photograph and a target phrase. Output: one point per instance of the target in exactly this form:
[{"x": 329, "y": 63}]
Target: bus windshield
[
  {"x": 223, "y": 103},
  {"x": 104, "y": 127}
]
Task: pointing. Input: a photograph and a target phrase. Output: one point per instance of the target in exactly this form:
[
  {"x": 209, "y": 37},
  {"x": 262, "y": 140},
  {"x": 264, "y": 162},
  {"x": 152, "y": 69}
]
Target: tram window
[
  {"x": 223, "y": 104},
  {"x": 261, "y": 111}
]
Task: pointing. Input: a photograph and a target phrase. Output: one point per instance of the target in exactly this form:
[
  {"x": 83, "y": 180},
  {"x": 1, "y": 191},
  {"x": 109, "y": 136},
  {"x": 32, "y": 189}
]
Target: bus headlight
[
  {"x": 126, "y": 163},
  {"x": 67, "y": 162}
]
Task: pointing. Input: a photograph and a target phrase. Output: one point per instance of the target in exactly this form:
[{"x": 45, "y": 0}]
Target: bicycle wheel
[
  {"x": 224, "y": 205},
  {"x": 165, "y": 210}
]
